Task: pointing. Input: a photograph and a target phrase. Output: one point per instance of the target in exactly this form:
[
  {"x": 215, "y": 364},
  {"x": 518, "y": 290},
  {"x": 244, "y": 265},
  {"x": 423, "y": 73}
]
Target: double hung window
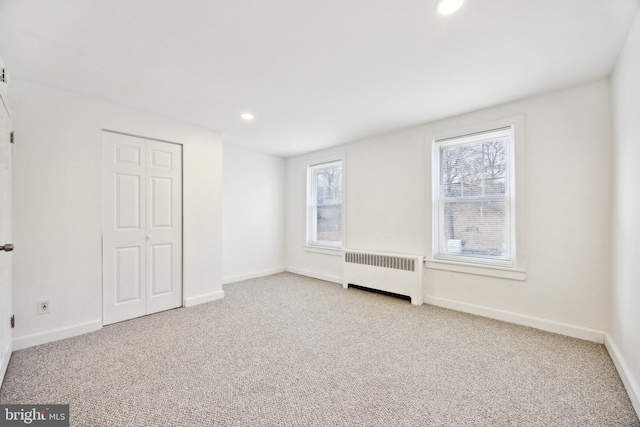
[
  {"x": 473, "y": 198},
  {"x": 325, "y": 204}
]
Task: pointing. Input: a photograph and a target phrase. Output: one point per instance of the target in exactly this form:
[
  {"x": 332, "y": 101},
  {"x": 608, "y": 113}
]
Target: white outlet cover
[{"x": 48, "y": 309}]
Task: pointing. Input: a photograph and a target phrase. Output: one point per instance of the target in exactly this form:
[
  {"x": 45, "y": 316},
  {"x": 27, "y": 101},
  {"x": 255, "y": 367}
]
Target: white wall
[
  {"x": 568, "y": 182},
  {"x": 624, "y": 339},
  {"x": 252, "y": 214},
  {"x": 57, "y": 213}
]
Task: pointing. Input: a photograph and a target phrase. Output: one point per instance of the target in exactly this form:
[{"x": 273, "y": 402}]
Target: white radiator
[{"x": 396, "y": 273}]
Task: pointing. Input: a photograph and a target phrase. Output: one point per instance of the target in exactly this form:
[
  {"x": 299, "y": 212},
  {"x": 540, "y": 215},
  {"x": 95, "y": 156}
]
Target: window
[
  {"x": 473, "y": 195},
  {"x": 324, "y": 204}
]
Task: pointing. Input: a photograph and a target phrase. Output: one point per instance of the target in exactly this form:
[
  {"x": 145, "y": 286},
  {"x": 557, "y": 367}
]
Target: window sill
[
  {"x": 323, "y": 250},
  {"x": 480, "y": 270}
]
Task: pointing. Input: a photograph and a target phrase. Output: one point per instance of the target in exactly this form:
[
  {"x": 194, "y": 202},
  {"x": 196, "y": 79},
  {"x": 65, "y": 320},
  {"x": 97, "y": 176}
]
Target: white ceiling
[{"x": 314, "y": 73}]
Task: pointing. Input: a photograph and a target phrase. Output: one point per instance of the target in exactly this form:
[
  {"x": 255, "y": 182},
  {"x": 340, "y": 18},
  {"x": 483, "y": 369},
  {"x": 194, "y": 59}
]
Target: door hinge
[
  {"x": 4, "y": 75},
  {"x": 13, "y": 321},
  {"x": 11, "y": 137}
]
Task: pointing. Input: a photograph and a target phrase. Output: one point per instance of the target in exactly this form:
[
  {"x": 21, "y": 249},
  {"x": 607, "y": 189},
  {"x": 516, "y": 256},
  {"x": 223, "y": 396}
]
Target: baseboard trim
[
  {"x": 254, "y": 275},
  {"x": 202, "y": 299},
  {"x": 630, "y": 384},
  {"x": 520, "y": 319},
  {"x": 325, "y": 277},
  {"x": 5, "y": 361},
  {"x": 44, "y": 337}
]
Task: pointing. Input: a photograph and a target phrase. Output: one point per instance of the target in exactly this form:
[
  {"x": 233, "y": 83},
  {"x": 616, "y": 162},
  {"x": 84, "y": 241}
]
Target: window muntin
[
  {"x": 474, "y": 198},
  {"x": 325, "y": 204}
]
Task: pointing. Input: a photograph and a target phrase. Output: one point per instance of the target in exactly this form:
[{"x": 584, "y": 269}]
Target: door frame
[{"x": 6, "y": 350}]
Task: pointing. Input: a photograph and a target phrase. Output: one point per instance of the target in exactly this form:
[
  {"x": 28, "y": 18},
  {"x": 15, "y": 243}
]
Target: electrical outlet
[{"x": 44, "y": 306}]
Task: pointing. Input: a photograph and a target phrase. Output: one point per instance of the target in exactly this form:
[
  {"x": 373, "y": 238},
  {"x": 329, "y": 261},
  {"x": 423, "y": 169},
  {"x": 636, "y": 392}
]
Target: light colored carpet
[{"x": 287, "y": 350}]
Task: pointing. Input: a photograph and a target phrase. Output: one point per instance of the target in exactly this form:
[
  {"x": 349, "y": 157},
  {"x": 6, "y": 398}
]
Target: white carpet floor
[{"x": 287, "y": 350}]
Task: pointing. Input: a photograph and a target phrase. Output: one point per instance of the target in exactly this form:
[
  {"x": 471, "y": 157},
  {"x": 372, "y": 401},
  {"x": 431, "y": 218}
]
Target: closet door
[
  {"x": 142, "y": 226},
  {"x": 164, "y": 226},
  {"x": 124, "y": 227}
]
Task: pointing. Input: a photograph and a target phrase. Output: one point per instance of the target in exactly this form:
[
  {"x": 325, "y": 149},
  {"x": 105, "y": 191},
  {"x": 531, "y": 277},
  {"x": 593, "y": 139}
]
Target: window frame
[
  {"x": 508, "y": 197},
  {"x": 311, "y": 209},
  {"x": 516, "y": 267}
]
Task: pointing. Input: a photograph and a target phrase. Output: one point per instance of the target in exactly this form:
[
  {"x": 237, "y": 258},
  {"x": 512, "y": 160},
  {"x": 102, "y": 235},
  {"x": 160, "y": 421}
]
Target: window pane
[
  {"x": 495, "y": 169},
  {"x": 477, "y": 229},
  {"x": 473, "y": 183},
  {"x": 451, "y": 173},
  {"x": 495, "y": 153},
  {"x": 328, "y": 182},
  {"x": 462, "y": 170},
  {"x": 494, "y": 183},
  {"x": 329, "y": 223}
]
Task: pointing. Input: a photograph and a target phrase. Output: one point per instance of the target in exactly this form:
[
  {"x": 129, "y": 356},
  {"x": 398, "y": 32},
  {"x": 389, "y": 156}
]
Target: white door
[
  {"x": 5, "y": 237},
  {"x": 142, "y": 226},
  {"x": 164, "y": 225}
]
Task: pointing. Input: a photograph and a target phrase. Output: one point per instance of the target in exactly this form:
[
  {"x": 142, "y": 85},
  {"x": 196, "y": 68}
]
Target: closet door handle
[{"x": 8, "y": 247}]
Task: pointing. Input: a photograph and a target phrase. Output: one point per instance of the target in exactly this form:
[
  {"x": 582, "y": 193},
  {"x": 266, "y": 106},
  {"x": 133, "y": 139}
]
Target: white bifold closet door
[{"x": 142, "y": 226}]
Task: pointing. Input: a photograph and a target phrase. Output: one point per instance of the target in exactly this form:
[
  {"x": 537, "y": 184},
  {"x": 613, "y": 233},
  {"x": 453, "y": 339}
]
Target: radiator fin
[{"x": 384, "y": 261}]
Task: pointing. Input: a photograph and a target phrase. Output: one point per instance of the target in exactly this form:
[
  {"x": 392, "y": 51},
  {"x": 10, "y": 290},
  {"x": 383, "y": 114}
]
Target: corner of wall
[{"x": 630, "y": 383}]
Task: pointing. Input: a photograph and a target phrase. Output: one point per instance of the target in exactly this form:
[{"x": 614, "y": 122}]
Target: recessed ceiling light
[
  {"x": 246, "y": 116},
  {"x": 446, "y": 7}
]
